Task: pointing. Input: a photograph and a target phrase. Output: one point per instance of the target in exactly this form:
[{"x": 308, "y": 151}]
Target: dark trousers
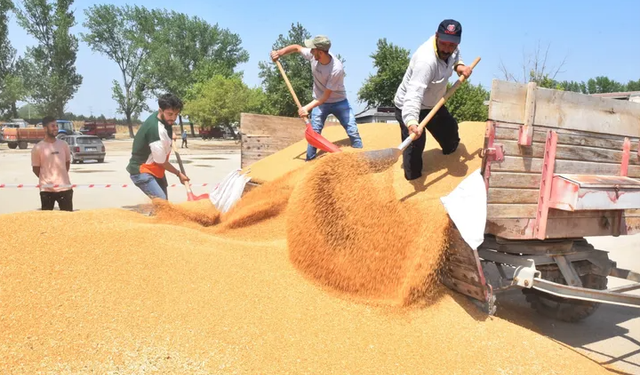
[
  {"x": 184, "y": 143},
  {"x": 443, "y": 127},
  {"x": 64, "y": 199}
]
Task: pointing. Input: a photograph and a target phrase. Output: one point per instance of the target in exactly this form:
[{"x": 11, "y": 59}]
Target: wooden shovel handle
[
  {"x": 293, "y": 93},
  {"x": 442, "y": 100}
]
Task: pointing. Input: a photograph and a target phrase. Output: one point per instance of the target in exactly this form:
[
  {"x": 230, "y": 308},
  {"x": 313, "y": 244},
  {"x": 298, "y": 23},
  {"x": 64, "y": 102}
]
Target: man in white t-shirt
[
  {"x": 329, "y": 94},
  {"x": 423, "y": 85},
  {"x": 50, "y": 161}
]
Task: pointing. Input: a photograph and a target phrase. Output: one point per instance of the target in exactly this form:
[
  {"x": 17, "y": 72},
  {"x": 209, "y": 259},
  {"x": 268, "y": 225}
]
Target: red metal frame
[
  {"x": 493, "y": 151},
  {"x": 548, "y": 166},
  {"x": 626, "y": 154}
]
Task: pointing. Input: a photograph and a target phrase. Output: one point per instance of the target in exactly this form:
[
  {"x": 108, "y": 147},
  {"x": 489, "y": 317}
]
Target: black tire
[
  {"x": 101, "y": 160},
  {"x": 22, "y": 145},
  {"x": 12, "y": 146},
  {"x": 564, "y": 309}
]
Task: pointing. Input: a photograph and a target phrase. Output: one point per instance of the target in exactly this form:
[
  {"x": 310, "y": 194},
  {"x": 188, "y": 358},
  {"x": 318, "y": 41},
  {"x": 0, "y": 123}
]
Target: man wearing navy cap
[{"x": 423, "y": 85}]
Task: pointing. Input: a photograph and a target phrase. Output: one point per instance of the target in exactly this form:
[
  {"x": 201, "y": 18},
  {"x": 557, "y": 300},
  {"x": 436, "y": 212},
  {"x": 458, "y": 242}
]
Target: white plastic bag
[
  {"x": 467, "y": 208},
  {"x": 229, "y": 190}
]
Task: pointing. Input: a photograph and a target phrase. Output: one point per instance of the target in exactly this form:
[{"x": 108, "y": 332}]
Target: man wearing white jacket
[{"x": 424, "y": 83}]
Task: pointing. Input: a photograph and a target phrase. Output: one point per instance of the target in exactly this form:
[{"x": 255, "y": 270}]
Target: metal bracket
[
  {"x": 524, "y": 275},
  {"x": 546, "y": 180},
  {"x": 495, "y": 153}
]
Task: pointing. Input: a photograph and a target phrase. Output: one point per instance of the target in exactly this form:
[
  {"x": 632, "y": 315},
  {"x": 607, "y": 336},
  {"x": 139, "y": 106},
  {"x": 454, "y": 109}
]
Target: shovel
[
  {"x": 190, "y": 195},
  {"x": 314, "y": 139},
  {"x": 389, "y": 156}
]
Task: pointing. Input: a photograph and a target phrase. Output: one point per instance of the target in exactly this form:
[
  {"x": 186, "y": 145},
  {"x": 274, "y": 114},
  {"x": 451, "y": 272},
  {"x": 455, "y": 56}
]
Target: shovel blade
[{"x": 318, "y": 141}]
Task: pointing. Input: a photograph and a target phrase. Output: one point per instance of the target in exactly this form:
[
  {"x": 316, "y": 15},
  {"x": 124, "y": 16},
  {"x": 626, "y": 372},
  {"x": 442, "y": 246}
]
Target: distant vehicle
[
  {"x": 19, "y": 137},
  {"x": 100, "y": 130},
  {"x": 85, "y": 147},
  {"x": 209, "y": 133},
  {"x": 65, "y": 127}
]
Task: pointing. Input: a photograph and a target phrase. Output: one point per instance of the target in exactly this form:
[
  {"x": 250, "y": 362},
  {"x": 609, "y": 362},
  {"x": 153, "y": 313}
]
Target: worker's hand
[
  {"x": 275, "y": 55},
  {"x": 465, "y": 71},
  {"x": 302, "y": 112},
  {"x": 416, "y": 130},
  {"x": 183, "y": 178}
]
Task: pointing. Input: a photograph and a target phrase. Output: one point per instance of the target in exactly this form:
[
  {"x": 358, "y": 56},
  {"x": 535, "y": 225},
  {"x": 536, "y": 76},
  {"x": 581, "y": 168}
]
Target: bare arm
[
  {"x": 170, "y": 168},
  {"x": 304, "y": 111},
  {"x": 68, "y": 165},
  {"x": 275, "y": 55}
]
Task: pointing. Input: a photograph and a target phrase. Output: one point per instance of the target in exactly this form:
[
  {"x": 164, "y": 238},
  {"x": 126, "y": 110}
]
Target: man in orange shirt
[{"x": 50, "y": 160}]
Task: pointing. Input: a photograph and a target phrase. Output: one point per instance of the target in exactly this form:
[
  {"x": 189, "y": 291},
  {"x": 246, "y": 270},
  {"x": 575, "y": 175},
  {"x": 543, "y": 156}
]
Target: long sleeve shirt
[{"x": 425, "y": 80}]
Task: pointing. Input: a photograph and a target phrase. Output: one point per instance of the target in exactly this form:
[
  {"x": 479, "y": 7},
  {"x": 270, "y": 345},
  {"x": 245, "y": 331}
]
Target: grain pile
[
  {"x": 347, "y": 230},
  {"x": 130, "y": 294}
]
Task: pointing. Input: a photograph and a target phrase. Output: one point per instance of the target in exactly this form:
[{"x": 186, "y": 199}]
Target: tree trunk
[
  {"x": 130, "y": 125},
  {"x": 14, "y": 110}
]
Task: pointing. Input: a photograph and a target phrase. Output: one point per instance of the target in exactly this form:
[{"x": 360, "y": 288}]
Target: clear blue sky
[{"x": 593, "y": 37}]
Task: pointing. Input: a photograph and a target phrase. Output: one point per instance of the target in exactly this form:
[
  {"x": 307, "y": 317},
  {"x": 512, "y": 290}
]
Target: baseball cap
[
  {"x": 320, "y": 42},
  {"x": 450, "y": 31}
]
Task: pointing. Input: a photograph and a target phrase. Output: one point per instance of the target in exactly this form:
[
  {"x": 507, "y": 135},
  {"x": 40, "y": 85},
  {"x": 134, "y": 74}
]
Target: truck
[
  {"x": 20, "y": 136},
  {"x": 100, "y": 130}
]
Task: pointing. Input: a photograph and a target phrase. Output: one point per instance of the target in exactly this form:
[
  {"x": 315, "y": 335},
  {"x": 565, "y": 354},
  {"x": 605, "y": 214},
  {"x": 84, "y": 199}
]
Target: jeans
[
  {"x": 344, "y": 113},
  {"x": 152, "y": 186},
  {"x": 64, "y": 198}
]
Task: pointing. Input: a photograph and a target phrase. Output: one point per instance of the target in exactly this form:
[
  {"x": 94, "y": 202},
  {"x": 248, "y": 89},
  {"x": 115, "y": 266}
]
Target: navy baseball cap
[{"x": 450, "y": 31}]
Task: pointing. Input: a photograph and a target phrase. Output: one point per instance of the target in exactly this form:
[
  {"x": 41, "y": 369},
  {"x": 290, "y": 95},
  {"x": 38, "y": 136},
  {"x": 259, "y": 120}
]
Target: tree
[
  {"x": 535, "y": 68},
  {"x": 391, "y": 63},
  {"x": 467, "y": 103},
  {"x": 278, "y": 99},
  {"x": 601, "y": 85},
  {"x": 123, "y": 34},
  {"x": 12, "y": 88},
  {"x": 187, "y": 50},
  {"x": 220, "y": 100},
  {"x": 633, "y": 85},
  {"x": 50, "y": 66}
]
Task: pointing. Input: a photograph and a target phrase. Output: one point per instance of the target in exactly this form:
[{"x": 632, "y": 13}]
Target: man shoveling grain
[
  {"x": 152, "y": 148},
  {"x": 424, "y": 83}
]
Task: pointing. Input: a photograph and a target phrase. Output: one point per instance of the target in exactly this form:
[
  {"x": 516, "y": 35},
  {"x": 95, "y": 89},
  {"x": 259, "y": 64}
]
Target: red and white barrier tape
[{"x": 73, "y": 186}]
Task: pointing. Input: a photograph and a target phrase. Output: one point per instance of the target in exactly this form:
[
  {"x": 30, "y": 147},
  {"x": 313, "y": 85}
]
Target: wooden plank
[
  {"x": 567, "y": 137},
  {"x": 500, "y": 195},
  {"x": 534, "y": 165},
  {"x": 518, "y": 229},
  {"x": 564, "y": 109},
  {"x": 567, "y": 152},
  {"x": 524, "y": 211},
  {"x": 514, "y": 180}
]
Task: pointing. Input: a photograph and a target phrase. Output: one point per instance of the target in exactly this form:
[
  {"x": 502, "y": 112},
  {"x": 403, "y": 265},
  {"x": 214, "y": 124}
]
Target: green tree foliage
[
  {"x": 391, "y": 63},
  {"x": 467, "y": 103},
  {"x": 220, "y": 100},
  {"x": 188, "y": 50},
  {"x": 50, "y": 66},
  {"x": 278, "y": 99},
  {"x": 123, "y": 34},
  {"x": 12, "y": 88}
]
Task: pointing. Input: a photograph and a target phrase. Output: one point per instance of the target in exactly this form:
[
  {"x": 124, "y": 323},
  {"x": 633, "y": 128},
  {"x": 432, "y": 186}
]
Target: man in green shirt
[{"x": 152, "y": 148}]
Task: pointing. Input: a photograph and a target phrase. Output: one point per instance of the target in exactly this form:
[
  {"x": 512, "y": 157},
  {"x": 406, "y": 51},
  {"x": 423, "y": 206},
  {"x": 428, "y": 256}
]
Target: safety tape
[{"x": 73, "y": 186}]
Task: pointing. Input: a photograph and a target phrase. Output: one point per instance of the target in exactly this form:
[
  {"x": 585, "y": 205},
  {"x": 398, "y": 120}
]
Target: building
[
  {"x": 379, "y": 114},
  {"x": 632, "y": 96}
]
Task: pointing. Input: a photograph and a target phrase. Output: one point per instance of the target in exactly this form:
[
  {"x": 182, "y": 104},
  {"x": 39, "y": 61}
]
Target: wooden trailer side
[{"x": 583, "y": 147}]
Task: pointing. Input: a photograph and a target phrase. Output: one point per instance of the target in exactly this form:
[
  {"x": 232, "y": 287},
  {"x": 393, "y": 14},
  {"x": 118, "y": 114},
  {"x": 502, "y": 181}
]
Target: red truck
[
  {"x": 101, "y": 130},
  {"x": 21, "y": 137}
]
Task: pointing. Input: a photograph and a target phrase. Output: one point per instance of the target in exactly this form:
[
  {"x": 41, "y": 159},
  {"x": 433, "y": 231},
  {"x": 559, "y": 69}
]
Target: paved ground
[
  {"x": 611, "y": 336},
  {"x": 204, "y": 162}
]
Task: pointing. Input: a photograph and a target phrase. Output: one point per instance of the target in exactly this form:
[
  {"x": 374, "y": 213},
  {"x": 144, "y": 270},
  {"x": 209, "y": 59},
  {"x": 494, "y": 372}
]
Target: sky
[{"x": 592, "y": 37}]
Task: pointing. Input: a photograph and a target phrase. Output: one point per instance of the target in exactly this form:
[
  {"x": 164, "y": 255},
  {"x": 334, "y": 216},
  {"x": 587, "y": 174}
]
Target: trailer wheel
[
  {"x": 22, "y": 145},
  {"x": 564, "y": 309},
  {"x": 12, "y": 146}
]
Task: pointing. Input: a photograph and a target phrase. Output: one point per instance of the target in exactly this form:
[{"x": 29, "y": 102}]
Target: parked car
[{"x": 85, "y": 147}]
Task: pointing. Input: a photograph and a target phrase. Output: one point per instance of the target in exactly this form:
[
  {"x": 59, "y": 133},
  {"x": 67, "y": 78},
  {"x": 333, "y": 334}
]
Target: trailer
[{"x": 557, "y": 167}]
